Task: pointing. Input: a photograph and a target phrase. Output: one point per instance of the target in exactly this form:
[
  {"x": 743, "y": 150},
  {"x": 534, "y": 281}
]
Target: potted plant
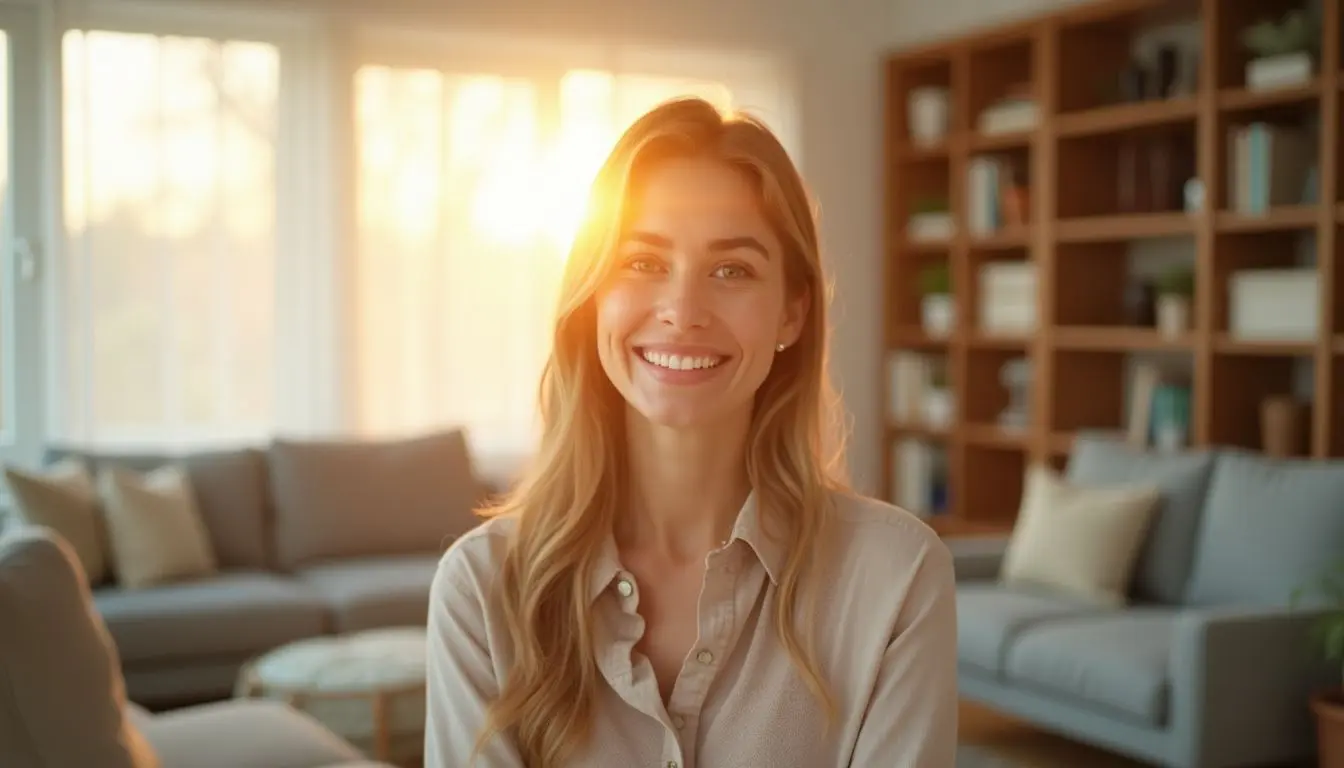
[
  {"x": 930, "y": 220},
  {"x": 1327, "y": 634},
  {"x": 1282, "y": 51},
  {"x": 937, "y": 309},
  {"x": 1175, "y": 288}
]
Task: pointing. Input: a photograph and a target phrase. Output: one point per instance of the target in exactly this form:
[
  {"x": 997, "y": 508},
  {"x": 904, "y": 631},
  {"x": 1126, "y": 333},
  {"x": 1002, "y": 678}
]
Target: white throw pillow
[
  {"x": 61, "y": 497},
  {"x": 1079, "y": 541},
  {"x": 154, "y": 527}
]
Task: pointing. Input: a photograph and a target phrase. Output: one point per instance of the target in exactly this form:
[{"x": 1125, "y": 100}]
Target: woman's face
[{"x": 689, "y": 319}]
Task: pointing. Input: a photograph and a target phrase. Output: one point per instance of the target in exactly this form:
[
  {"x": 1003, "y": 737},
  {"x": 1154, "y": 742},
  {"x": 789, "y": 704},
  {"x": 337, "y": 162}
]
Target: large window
[
  {"x": 170, "y": 214},
  {"x": 470, "y": 188},
  {"x": 201, "y": 207}
]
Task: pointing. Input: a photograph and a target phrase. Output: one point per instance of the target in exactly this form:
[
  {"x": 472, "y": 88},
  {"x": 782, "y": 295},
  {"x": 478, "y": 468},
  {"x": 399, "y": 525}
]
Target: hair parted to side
[{"x": 567, "y": 503}]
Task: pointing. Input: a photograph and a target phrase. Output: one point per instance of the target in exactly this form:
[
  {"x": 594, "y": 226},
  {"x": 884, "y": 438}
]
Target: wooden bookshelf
[{"x": 1087, "y": 235}]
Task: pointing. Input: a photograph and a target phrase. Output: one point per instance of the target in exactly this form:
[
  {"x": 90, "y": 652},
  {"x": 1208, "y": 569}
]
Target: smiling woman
[{"x": 683, "y": 577}]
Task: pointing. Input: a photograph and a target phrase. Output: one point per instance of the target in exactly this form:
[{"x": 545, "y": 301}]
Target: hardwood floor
[{"x": 982, "y": 729}]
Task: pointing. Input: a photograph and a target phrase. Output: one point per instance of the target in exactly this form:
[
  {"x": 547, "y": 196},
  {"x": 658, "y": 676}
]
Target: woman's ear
[{"x": 796, "y": 309}]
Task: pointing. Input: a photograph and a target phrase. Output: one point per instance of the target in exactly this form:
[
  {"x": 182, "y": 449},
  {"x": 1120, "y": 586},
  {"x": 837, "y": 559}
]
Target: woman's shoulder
[
  {"x": 865, "y": 526},
  {"x": 473, "y": 560}
]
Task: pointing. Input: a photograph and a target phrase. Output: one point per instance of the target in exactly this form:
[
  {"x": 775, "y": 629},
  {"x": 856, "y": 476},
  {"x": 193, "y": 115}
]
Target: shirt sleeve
[
  {"x": 911, "y": 718},
  {"x": 460, "y": 677}
]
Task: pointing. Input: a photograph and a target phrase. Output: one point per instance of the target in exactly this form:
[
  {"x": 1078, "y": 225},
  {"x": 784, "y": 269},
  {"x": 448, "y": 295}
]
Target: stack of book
[{"x": 1268, "y": 165}]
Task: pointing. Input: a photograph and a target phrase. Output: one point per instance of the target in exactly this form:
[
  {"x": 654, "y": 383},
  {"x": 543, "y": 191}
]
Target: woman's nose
[{"x": 682, "y": 303}]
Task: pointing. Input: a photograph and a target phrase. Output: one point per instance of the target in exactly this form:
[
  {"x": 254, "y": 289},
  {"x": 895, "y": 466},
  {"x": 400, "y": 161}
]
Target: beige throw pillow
[
  {"x": 154, "y": 527},
  {"x": 1083, "y": 542},
  {"x": 62, "y": 497}
]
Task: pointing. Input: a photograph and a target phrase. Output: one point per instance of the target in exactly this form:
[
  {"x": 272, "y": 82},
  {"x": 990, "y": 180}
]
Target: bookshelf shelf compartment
[
  {"x": 1228, "y": 345},
  {"x": 1120, "y": 339},
  {"x": 1241, "y": 100},
  {"x": 994, "y": 436},
  {"x": 1128, "y": 117},
  {"x": 1120, "y": 228},
  {"x": 1276, "y": 219},
  {"x": 994, "y": 488}
]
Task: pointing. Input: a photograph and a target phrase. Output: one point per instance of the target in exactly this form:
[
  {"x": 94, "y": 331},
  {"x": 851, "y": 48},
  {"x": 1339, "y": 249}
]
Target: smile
[{"x": 673, "y": 362}]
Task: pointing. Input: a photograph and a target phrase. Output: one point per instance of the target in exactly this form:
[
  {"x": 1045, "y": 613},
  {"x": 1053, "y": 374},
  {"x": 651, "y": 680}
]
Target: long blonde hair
[{"x": 567, "y": 503}]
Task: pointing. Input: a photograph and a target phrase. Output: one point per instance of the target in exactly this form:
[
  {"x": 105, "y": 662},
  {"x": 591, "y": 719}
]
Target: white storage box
[
  {"x": 1008, "y": 297},
  {"x": 1274, "y": 304}
]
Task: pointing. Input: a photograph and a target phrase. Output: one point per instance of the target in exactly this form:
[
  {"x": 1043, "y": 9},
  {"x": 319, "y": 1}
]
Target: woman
[{"x": 682, "y": 580}]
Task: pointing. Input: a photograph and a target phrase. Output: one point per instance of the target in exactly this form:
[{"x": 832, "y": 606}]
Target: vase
[
  {"x": 1173, "y": 315},
  {"x": 938, "y": 314},
  {"x": 928, "y": 115}
]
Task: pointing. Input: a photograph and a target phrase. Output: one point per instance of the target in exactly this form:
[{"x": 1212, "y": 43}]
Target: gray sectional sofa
[
  {"x": 1206, "y": 665},
  {"x": 312, "y": 537}
]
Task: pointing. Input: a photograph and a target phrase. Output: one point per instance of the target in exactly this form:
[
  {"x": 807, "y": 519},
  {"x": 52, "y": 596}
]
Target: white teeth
[{"x": 680, "y": 362}]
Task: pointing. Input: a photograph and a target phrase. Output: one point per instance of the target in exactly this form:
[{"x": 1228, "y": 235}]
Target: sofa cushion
[
  {"x": 375, "y": 592},
  {"x": 228, "y": 734},
  {"x": 1116, "y": 663},
  {"x": 1270, "y": 526},
  {"x": 991, "y": 615},
  {"x": 62, "y": 698},
  {"x": 1163, "y": 567},
  {"x": 363, "y": 498},
  {"x": 155, "y": 532},
  {"x": 231, "y": 492},
  {"x": 1075, "y": 540},
  {"x": 62, "y": 497},
  {"x": 230, "y": 614}
]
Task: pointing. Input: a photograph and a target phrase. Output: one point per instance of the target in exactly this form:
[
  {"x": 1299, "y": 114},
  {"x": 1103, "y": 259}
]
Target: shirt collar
[{"x": 748, "y": 528}]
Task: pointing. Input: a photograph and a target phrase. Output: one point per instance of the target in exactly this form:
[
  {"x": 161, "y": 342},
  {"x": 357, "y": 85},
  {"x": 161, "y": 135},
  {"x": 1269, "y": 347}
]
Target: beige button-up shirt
[{"x": 885, "y": 638}]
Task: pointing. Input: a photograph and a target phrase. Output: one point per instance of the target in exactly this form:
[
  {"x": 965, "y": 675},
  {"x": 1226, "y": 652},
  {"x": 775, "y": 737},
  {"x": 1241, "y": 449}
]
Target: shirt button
[
  {"x": 704, "y": 657},
  {"x": 625, "y": 587},
  {"x": 671, "y": 764},
  {"x": 679, "y": 722}
]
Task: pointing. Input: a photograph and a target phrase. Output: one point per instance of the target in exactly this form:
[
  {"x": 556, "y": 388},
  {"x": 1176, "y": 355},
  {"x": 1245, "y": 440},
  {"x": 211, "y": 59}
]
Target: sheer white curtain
[
  {"x": 167, "y": 291},
  {"x": 469, "y": 189}
]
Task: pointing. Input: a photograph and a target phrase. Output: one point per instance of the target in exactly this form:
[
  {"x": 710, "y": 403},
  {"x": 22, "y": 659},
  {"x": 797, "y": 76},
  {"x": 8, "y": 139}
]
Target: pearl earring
[{"x": 780, "y": 347}]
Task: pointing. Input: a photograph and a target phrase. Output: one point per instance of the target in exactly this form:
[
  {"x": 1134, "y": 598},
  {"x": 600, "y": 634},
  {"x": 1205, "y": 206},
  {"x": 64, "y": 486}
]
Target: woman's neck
[{"x": 687, "y": 486}]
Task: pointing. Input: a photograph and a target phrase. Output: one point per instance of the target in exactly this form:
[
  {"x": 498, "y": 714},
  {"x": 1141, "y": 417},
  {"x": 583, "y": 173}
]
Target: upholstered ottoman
[{"x": 368, "y": 686}]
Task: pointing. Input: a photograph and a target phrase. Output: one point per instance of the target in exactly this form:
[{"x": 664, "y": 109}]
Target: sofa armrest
[
  {"x": 1241, "y": 678},
  {"x": 977, "y": 558}
]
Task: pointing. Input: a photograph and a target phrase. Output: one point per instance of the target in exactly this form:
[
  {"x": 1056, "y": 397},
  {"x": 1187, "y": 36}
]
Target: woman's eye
[
  {"x": 732, "y": 271},
  {"x": 641, "y": 264}
]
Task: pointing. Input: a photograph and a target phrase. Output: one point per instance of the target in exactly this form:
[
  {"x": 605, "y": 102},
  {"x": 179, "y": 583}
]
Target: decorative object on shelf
[
  {"x": 1285, "y": 427},
  {"x": 1175, "y": 289},
  {"x": 1193, "y": 194},
  {"x": 930, "y": 220},
  {"x": 1007, "y": 297},
  {"x": 1283, "y": 52},
  {"x": 938, "y": 311},
  {"x": 939, "y": 406},
  {"x": 1144, "y": 381},
  {"x": 929, "y": 115},
  {"x": 1171, "y": 417},
  {"x": 1015, "y": 376},
  {"x": 1016, "y": 112},
  {"x": 1274, "y": 304}
]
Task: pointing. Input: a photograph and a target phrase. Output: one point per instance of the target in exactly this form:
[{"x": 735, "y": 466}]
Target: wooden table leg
[{"x": 381, "y": 740}]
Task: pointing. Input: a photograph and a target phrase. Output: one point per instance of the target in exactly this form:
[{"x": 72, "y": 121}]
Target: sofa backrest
[
  {"x": 1269, "y": 526},
  {"x": 1163, "y": 569},
  {"x": 62, "y": 696},
  {"x": 357, "y": 498},
  {"x": 231, "y": 490}
]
